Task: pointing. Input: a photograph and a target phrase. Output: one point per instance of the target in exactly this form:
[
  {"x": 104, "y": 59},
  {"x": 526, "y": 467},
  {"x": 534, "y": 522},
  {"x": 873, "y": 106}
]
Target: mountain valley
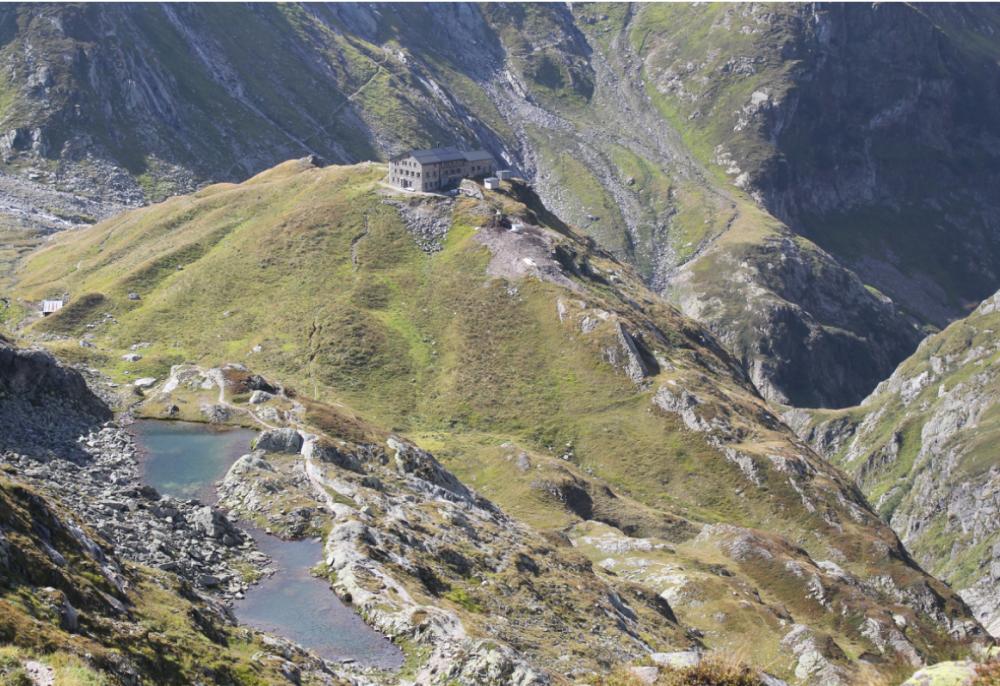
[{"x": 702, "y": 391}]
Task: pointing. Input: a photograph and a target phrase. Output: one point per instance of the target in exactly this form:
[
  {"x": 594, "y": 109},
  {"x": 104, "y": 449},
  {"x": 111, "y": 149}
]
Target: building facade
[{"x": 439, "y": 168}]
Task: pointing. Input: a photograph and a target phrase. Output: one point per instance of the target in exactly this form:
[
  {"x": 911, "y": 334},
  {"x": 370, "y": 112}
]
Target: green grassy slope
[
  {"x": 315, "y": 267},
  {"x": 650, "y": 128}
]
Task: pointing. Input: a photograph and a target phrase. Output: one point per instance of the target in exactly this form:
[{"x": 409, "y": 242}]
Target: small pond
[
  {"x": 185, "y": 460},
  {"x": 294, "y": 604}
]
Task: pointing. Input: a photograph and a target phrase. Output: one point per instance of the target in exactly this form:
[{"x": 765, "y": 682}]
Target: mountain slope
[
  {"x": 132, "y": 103},
  {"x": 164, "y": 96},
  {"x": 538, "y": 368},
  {"x": 618, "y": 163},
  {"x": 72, "y": 609},
  {"x": 869, "y": 129},
  {"x": 923, "y": 447}
]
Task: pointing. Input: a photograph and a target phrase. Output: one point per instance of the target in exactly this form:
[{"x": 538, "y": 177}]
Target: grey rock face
[
  {"x": 427, "y": 222},
  {"x": 44, "y": 403},
  {"x": 923, "y": 440},
  {"x": 103, "y": 488},
  {"x": 411, "y": 460},
  {"x": 56, "y": 435},
  {"x": 216, "y": 414},
  {"x": 259, "y": 397},
  {"x": 279, "y": 441},
  {"x": 629, "y": 357},
  {"x": 328, "y": 453},
  {"x": 812, "y": 657},
  {"x": 806, "y": 329},
  {"x": 211, "y": 523}
]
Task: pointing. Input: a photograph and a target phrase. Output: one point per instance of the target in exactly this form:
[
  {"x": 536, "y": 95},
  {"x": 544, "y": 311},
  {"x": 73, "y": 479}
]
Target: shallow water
[
  {"x": 300, "y": 607},
  {"x": 185, "y": 460}
]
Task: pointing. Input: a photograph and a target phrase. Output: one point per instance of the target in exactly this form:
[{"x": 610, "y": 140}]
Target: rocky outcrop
[
  {"x": 44, "y": 405},
  {"x": 808, "y": 331},
  {"x": 57, "y": 435},
  {"x": 408, "y": 545},
  {"x": 427, "y": 222},
  {"x": 102, "y": 486},
  {"x": 956, "y": 673},
  {"x": 279, "y": 441},
  {"x": 921, "y": 447},
  {"x": 92, "y": 563}
]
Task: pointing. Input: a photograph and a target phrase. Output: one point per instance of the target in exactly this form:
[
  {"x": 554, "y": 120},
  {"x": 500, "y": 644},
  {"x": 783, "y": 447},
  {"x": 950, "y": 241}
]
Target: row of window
[{"x": 454, "y": 166}]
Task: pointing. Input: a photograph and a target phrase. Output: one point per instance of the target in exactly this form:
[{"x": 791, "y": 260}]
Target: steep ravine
[{"x": 923, "y": 447}]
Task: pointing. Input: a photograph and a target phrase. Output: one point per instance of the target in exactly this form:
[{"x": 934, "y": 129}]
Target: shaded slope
[
  {"x": 608, "y": 156},
  {"x": 869, "y": 129},
  {"x": 534, "y": 339},
  {"x": 923, "y": 447}
]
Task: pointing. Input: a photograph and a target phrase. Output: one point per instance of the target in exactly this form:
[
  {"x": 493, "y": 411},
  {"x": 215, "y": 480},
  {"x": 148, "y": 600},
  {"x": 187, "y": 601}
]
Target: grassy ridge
[{"x": 313, "y": 266}]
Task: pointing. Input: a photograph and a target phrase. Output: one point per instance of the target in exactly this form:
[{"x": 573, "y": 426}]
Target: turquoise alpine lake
[{"x": 186, "y": 460}]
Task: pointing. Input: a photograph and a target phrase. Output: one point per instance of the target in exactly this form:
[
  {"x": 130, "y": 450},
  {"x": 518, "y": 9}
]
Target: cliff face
[
  {"x": 871, "y": 130},
  {"x": 923, "y": 447},
  {"x": 692, "y": 141}
]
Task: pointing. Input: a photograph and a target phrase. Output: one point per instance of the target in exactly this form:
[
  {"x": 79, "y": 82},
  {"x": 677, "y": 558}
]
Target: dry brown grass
[
  {"x": 712, "y": 671},
  {"x": 988, "y": 674}
]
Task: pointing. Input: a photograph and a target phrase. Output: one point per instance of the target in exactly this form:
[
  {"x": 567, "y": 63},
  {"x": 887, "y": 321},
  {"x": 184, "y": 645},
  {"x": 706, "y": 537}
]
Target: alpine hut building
[{"x": 439, "y": 168}]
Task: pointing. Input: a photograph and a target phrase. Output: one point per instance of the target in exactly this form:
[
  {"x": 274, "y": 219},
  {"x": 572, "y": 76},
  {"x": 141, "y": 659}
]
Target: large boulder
[
  {"x": 957, "y": 673},
  {"x": 279, "y": 441},
  {"x": 325, "y": 452},
  {"x": 213, "y": 524},
  {"x": 421, "y": 464}
]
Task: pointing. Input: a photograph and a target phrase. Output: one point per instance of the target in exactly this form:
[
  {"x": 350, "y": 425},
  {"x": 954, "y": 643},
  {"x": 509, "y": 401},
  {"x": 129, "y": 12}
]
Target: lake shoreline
[{"x": 180, "y": 459}]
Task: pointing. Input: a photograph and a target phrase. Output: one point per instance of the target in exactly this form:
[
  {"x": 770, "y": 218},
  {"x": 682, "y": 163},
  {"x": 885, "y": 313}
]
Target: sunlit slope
[{"x": 530, "y": 339}]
